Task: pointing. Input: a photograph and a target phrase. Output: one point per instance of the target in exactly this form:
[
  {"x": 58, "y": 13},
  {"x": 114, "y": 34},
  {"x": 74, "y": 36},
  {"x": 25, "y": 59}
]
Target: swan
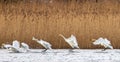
[
  {"x": 12, "y": 48},
  {"x": 15, "y": 47},
  {"x": 25, "y": 47},
  {"x": 72, "y": 41},
  {"x": 103, "y": 42},
  {"x": 5, "y": 46},
  {"x": 45, "y": 44}
]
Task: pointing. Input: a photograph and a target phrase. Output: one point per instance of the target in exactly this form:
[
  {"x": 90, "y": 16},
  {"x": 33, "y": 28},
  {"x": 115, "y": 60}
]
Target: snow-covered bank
[{"x": 62, "y": 55}]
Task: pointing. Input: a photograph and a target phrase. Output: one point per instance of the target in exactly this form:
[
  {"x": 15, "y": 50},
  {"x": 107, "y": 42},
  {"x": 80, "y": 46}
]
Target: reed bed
[{"x": 46, "y": 19}]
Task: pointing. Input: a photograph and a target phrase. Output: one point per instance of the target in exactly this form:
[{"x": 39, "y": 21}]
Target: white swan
[
  {"x": 6, "y": 46},
  {"x": 43, "y": 43},
  {"x": 72, "y": 41},
  {"x": 103, "y": 42},
  {"x": 12, "y": 48},
  {"x": 15, "y": 47},
  {"x": 25, "y": 47}
]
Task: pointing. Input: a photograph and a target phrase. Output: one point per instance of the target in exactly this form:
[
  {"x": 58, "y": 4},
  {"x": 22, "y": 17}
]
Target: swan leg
[
  {"x": 76, "y": 47},
  {"x": 45, "y": 50},
  {"x": 17, "y": 51},
  {"x": 71, "y": 50},
  {"x": 104, "y": 49}
]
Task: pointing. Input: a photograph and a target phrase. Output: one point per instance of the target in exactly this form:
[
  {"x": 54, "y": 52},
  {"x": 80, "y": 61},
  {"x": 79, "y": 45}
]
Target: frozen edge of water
[{"x": 62, "y": 55}]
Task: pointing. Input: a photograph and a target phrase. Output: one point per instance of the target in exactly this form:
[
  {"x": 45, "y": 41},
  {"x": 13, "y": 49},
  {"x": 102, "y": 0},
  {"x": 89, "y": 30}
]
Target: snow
[{"x": 62, "y": 55}]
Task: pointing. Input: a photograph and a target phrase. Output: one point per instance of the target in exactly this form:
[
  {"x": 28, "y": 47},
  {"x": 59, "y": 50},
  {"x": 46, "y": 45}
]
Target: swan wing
[
  {"x": 73, "y": 38},
  {"x": 25, "y": 46},
  {"x": 46, "y": 44},
  {"x": 16, "y": 44}
]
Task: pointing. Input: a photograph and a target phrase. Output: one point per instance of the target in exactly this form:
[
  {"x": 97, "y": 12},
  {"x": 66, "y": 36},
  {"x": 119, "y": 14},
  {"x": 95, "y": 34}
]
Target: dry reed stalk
[{"x": 85, "y": 19}]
